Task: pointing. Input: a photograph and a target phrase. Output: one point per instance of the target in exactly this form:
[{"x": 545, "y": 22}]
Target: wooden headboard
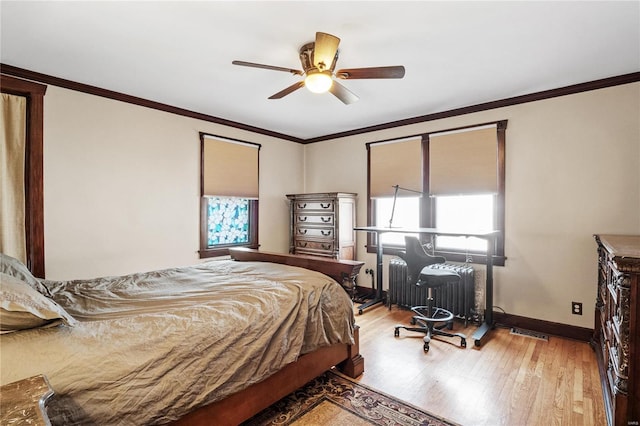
[{"x": 343, "y": 271}]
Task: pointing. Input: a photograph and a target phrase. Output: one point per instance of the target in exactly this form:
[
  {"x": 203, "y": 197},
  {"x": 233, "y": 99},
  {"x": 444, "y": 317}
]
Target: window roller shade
[
  {"x": 230, "y": 169},
  {"x": 464, "y": 162},
  {"x": 395, "y": 163}
]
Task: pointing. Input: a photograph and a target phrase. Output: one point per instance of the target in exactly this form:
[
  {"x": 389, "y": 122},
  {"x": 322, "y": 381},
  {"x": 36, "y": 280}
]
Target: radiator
[{"x": 458, "y": 298}]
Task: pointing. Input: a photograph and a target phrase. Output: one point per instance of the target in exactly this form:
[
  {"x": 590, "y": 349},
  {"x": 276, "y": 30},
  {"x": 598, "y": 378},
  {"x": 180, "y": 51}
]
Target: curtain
[
  {"x": 13, "y": 122},
  {"x": 395, "y": 163},
  {"x": 464, "y": 161},
  {"x": 229, "y": 168}
]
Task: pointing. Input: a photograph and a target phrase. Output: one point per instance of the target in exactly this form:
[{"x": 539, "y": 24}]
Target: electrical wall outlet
[{"x": 576, "y": 308}]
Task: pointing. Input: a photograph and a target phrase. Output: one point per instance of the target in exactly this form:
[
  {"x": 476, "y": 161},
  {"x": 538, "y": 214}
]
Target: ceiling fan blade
[
  {"x": 373, "y": 72},
  {"x": 266, "y": 67},
  {"x": 290, "y": 89},
  {"x": 325, "y": 50},
  {"x": 345, "y": 95}
]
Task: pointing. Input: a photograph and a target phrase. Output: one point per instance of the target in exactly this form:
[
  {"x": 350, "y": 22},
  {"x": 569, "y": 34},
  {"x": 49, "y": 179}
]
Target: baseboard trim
[
  {"x": 541, "y": 326},
  {"x": 509, "y": 320}
]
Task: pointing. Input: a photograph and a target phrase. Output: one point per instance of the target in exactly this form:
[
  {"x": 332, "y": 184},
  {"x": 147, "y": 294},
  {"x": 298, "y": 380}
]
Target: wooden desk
[{"x": 489, "y": 236}]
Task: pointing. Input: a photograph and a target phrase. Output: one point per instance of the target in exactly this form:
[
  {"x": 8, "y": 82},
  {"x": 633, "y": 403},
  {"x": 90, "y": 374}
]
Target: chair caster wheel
[
  {"x": 396, "y": 332},
  {"x": 426, "y": 347},
  {"x": 463, "y": 343}
]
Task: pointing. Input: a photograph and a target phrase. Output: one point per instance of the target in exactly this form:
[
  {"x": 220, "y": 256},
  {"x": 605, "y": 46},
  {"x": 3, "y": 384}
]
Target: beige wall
[
  {"x": 121, "y": 185},
  {"x": 572, "y": 170}
]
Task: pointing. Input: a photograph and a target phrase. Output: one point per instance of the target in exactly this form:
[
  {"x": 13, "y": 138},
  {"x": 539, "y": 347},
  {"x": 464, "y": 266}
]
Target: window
[
  {"x": 227, "y": 221},
  {"x": 466, "y": 212},
  {"x": 457, "y": 184},
  {"x": 229, "y": 202},
  {"x": 395, "y": 174},
  {"x": 405, "y": 215}
]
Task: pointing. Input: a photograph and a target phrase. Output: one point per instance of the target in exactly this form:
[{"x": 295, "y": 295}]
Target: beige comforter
[{"x": 151, "y": 347}]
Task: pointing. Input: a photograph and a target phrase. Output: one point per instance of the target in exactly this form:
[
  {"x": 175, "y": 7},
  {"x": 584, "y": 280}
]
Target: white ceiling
[{"x": 456, "y": 54}]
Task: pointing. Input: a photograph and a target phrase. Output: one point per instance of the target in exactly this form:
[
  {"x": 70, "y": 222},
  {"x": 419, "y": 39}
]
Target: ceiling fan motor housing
[{"x": 307, "y": 59}]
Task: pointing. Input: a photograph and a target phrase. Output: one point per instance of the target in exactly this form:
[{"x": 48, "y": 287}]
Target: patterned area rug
[{"x": 332, "y": 399}]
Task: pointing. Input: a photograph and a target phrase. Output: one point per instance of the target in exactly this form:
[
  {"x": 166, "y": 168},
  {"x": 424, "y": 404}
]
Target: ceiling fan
[{"x": 318, "y": 61}]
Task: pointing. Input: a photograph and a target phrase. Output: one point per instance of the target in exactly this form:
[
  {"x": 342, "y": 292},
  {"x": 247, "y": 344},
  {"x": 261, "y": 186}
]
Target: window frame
[
  {"x": 223, "y": 249},
  {"x": 427, "y": 204}
]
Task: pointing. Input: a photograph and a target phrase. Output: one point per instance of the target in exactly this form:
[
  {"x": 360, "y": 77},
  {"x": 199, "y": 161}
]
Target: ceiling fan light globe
[{"x": 318, "y": 82}]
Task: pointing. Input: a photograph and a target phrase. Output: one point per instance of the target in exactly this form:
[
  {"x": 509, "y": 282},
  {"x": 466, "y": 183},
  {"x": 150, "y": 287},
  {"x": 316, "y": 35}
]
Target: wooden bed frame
[
  {"x": 25, "y": 400},
  {"x": 244, "y": 404}
]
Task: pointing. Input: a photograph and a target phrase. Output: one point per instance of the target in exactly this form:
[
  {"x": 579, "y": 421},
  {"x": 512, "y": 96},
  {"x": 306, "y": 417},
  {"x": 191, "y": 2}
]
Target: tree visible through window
[{"x": 227, "y": 221}]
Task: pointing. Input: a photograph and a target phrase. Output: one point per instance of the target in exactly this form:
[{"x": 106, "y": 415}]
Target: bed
[{"x": 209, "y": 344}]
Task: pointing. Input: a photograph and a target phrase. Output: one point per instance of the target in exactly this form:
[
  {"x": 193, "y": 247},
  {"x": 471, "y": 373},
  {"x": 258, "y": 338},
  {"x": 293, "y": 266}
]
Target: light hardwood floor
[{"x": 509, "y": 380}]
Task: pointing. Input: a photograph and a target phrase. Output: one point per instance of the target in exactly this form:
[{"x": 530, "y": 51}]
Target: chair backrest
[{"x": 417, "y": 258}]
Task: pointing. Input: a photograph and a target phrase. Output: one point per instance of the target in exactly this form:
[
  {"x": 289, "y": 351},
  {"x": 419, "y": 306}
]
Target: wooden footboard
[{"x": 242, "y": 405}]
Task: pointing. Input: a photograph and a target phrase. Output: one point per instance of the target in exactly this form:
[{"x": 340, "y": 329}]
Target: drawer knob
[
  {"x": 325, "y": 233},
  {"x": 302, "y": 244},
  {"x": 302, "y": 231},
  {"x": 302, "y": 219},
  {"x": 326, "y": 246},
  {"x": 325, "y": 207},
  {"x": 302, "y": 206},
  {"x": 325, "y": 219}
]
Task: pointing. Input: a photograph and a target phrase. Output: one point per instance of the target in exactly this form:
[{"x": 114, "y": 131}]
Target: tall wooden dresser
[
  {"x": 617, "y": 326},
  {"x": 322, "y": 224}
]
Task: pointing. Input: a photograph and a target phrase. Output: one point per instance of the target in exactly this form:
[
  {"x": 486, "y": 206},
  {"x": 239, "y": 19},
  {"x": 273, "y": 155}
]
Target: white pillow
[
  {"x": 15, "y": 268},
  {"x": 22, "y": 307}
]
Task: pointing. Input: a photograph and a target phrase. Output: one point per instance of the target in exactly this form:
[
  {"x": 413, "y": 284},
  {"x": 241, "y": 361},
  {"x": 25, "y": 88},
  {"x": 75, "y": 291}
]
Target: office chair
[{"x": 431, "y": 319}]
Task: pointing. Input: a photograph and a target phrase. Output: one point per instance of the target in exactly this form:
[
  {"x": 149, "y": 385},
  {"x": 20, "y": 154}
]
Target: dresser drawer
[
  {"x": 620, "y": 311},
  {"x": 618, "y": 362},
  {"x": 326, "y": 246},
  {"x": 315, "y": 232},
  {"x": 307, "y": 206},
  {"x": 314, "y": 219}
]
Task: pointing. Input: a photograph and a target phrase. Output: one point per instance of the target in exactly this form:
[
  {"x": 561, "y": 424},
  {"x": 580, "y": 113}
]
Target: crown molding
[
  {"x": 105, "y": 93},
  {"x": 532, "y": 97}
]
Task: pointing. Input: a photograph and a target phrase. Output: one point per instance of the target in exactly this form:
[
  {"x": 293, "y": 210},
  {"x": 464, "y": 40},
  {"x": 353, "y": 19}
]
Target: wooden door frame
[{"x": 33, "y": 177}]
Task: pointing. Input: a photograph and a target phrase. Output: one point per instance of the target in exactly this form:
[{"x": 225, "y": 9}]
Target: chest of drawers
[
  {"x": 616, "y": 331},
  {"x": 322, "y": 224}
]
